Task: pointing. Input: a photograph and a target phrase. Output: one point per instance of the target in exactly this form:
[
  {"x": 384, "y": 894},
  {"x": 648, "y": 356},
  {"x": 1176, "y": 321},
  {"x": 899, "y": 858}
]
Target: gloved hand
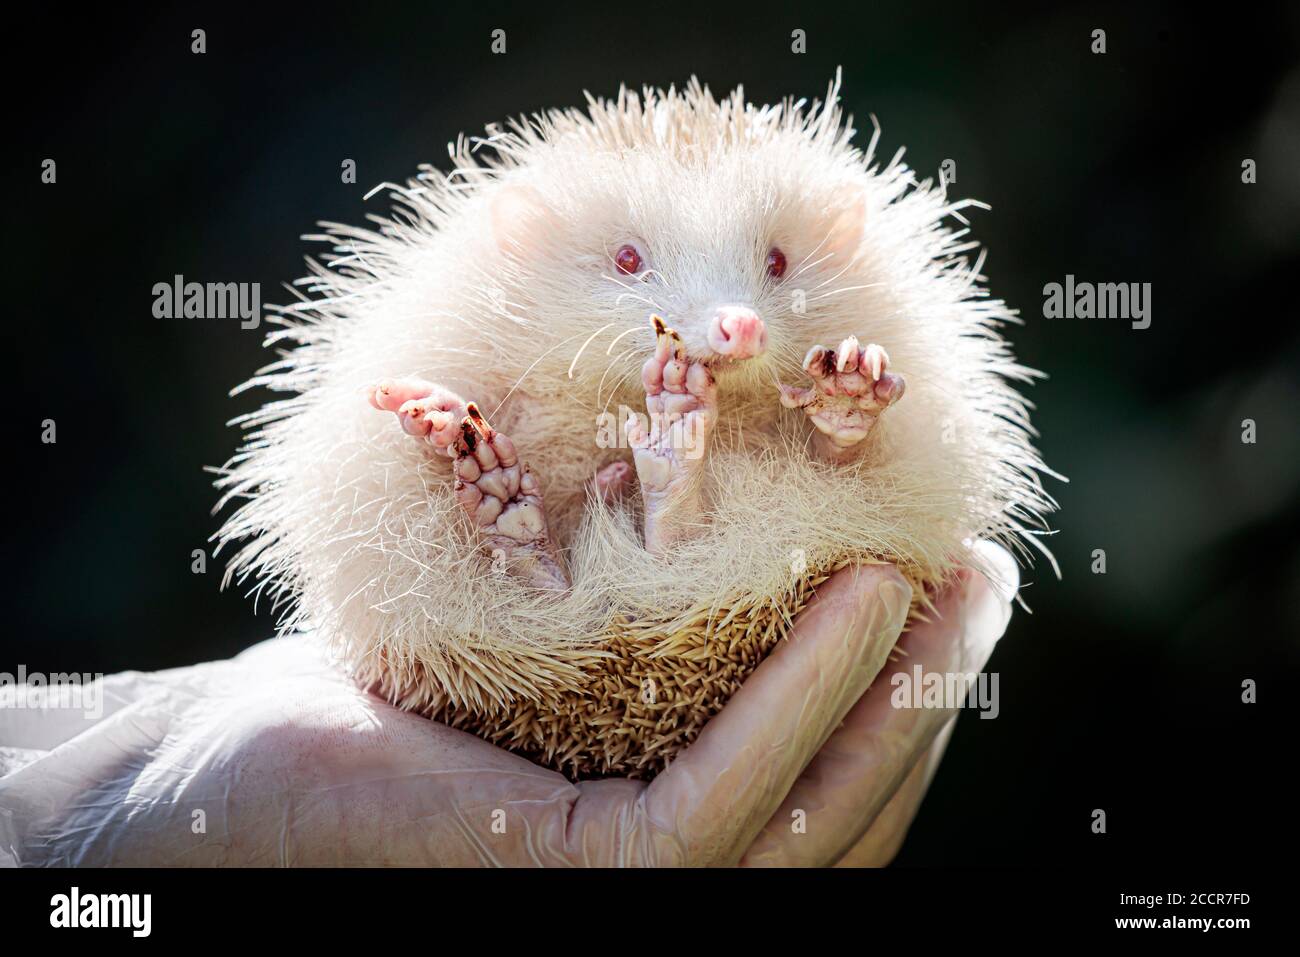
[{"x": 275, "y": 757}]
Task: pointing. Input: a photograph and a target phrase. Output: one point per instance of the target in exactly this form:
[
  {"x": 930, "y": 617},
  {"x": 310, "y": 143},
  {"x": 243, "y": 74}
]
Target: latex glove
[{"x": 275, "y": 757}]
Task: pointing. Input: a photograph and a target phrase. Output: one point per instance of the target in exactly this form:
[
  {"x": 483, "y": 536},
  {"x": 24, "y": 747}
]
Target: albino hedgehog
[{"x": 457, "y": 495}]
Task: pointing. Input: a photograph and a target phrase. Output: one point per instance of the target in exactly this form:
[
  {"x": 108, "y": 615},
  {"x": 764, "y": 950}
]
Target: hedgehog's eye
[
  {"x": 628, "y": 260},
  {"x": 775, "y": 263}
]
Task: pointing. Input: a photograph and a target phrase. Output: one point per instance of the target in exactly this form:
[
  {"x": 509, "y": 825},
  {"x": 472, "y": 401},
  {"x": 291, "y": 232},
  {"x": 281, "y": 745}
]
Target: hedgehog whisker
[
  {"x": 634, "y": 293},
  {"x": 844, "y": 289},
  {"x": 803, "y": 263},
  {"x": 583, "y": 348},
  {"x": 524, "y": 374},
  {"x": 817, "y": 262},
  {"x": 642, "y": 299},
  {"x": 610, "y": 348},
  {"x": 600, "y": 388},
  {"x": 831, "y": 279}
]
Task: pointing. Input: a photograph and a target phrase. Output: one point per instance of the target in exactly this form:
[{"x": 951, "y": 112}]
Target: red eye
[
  {"x": 775, "y": 263},
  {"x": 628, "y": 260}
]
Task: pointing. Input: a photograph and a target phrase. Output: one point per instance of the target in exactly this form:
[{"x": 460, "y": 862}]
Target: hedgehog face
[{"x": 724, "y": 244}]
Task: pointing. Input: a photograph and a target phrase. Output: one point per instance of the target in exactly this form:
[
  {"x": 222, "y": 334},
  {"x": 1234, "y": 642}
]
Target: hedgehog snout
[{"x": 737, "y": 332}]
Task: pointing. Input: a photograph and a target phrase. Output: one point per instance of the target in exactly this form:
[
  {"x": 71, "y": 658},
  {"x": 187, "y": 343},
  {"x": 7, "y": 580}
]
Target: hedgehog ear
[
  {"x": 846, "y": 224},
  {"x": 521, "y": 220}
]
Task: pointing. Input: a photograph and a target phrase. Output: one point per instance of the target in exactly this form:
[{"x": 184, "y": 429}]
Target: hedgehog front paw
[
  {"x": 504, "y": 500},
  {"x": 851, "y": 388},
  {"x": 681, "y": 402},
  {"x": 424, "y": 410}
]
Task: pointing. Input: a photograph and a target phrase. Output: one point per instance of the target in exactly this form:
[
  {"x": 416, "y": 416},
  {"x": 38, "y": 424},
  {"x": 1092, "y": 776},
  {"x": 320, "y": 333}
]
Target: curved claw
[
  {"x": 846, "y": 357},
  {"x": 477, "y": 420},
  {"x": 667, "y": 340},
  {"x": 474, "y": 429}
]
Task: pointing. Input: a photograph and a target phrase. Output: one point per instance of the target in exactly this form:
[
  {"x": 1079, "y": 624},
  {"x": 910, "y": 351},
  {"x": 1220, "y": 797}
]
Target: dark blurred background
[{"x": 1122, "y": 691}]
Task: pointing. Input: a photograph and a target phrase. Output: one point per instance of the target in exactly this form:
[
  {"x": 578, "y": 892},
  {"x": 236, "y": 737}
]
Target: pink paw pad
[{"x": 503, "y": 498}]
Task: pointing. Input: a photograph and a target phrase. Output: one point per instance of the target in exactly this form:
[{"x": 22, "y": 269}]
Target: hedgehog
[{"x": 565, "y": 442}]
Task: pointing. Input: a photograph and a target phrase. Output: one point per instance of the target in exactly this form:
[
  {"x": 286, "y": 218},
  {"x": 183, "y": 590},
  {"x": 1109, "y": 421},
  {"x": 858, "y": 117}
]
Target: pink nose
[{"x": 737, "y": 332}]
